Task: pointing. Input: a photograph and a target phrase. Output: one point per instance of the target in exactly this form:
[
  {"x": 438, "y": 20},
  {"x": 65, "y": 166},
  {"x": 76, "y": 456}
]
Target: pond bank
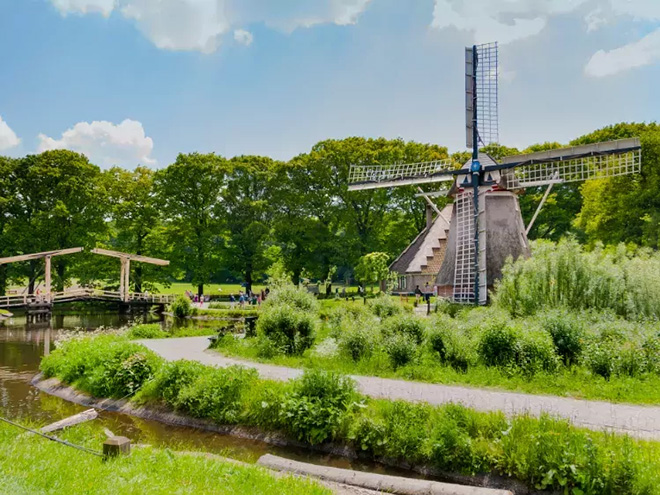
[{"x": 55, "y": 387}]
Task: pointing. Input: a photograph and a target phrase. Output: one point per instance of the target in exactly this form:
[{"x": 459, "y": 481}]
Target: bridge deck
[{"x": 70, "y": 295}]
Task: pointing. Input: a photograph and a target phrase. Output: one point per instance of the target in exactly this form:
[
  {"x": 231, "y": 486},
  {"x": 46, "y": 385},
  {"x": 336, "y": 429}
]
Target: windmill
[{"x": 486, "y": 225}]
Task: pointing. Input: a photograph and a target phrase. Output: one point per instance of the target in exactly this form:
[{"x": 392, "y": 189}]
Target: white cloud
[
  {"x": 105, "y": 143},
  {"x": 499, "y": 20},
  {"x": 243, "y": 37},
  {"x": 199, "y": 25},
  {"x": 104, "y": 7},
  {"x": 637, "y": 54},
  {"x": 8, "y": 138}
]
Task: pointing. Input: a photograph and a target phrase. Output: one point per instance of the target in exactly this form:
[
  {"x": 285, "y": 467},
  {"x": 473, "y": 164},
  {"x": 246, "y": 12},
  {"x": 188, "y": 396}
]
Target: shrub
[
  {"x": 146, "y": 331},
  {"x": 567, "y": 334},
  {"x": 357, "y": 341},
  {"x": 600, "y": 356},
  {"x": 401, "y": 349},
  {"x": 181, "y": 307},
  {"x": 217, "y": 393},
  {"x": 451, "y": 344},
  {"x": 171, "y": 379},
  {"x": 445, "y": 306},
  {"x": 315, "y": 408},
  {"x": 294, "y": 297},
  {"x": 384, "y": 306},
  {"x": 536, "y": 352},
  {"x": 288, "y": 327},
  {"x": 104, "y": 366},
  {"x": 498, "y": 344},
  {"x": 409, "y": 325}
]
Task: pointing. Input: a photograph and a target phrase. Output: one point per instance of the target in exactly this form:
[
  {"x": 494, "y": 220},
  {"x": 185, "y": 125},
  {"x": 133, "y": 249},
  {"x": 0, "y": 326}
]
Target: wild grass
[
  {"x": 565, "y": 275},
  {"x": 157, "y": 331},
  {"x": 320, "y": 407},
  {"x": 32, "y": 465}
]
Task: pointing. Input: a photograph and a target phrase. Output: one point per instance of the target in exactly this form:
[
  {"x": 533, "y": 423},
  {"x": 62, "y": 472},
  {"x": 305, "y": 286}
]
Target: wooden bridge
[
  {"x": 83, "y": 294},
  {"x": 43, "y": 302}
]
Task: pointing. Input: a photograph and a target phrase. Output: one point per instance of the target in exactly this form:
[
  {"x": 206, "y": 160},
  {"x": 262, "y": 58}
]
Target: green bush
[
  {"x": 384, "y": 306},
  {"x": 357, "y": 340},
  {"x": 181, "y": 307},
  {"x": 217, "y": 393},
  {"x": 412, "y": 326},
  {"x": 567, "y": 334},
  {"x": 146, "y": 331},
  {"x": 315, "y": 408},
  {"x": 171, "y": 379},
  {"x": 498, "y": 345},
  {"x": 288, "y": 328},
  {"x": 104, "y": 366},
  {"x": 401, "y": 348},
  {"x": 451, "y": 344},
  {"x": 536, "y": 352},
  {"x": 292, "y": 296},
  {"x": 445, "y": 306}
]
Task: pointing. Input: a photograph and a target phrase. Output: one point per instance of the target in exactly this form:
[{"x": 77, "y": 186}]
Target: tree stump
[{"x": 116, "y": 446}]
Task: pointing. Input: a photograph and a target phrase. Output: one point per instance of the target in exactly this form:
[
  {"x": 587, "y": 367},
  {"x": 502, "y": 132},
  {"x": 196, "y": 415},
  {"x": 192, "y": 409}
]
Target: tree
[
  {"x": 189, "y": 193},
  {"x": 8, "y": 203},
  {"x": 136, "y": 223},
  {"x": 373, "y": 268},
  {"x": 247, "y": 215},
  {"x": 62, "y": 204}
]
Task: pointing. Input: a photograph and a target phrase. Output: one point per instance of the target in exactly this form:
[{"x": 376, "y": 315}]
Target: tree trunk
[
  {"x": 32, "y": 276},
  {"x": 200, "y": 290},
  {"x": 61, "y": 270},
  {"x": 3, "y": 280},
  {"x": 138, "y": 278},
  {"x": 248, "y": 282}
]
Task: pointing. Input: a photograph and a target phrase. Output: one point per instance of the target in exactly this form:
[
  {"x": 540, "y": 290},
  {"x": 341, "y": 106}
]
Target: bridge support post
[
  {"x": 124, "y": 279},
  {"x": 47, "y": 281}
]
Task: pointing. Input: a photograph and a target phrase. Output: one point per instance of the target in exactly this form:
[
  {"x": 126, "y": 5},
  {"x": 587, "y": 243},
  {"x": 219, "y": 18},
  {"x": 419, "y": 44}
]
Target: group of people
[
  {"x": 197, "y": 299},
  {"x": 248, "y": 298},
  {"x": 427, "y": 293}
]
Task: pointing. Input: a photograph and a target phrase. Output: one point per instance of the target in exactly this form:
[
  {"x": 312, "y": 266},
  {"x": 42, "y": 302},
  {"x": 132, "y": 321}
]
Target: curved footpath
[{"x": 637, "y": 421}]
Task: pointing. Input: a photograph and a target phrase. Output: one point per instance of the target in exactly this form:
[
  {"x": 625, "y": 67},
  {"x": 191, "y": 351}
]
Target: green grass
[
  {"x": 180, "y": 288},
  {"x": 544, "y": 453},
  {"x": 156, "y": 331},
  {"x": 31, "y": 465}
]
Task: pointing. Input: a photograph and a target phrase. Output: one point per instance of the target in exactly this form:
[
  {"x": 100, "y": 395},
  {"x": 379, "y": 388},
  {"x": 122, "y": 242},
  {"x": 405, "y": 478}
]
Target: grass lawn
[
  {"x": 211, "y": 289},
  {"x": 34, "y": 465}
]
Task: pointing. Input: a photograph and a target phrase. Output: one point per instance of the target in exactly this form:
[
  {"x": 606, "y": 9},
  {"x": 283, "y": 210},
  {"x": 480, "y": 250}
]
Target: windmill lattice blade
[
  {"x": 464, "y": 272},
  {"x": 487, "y": 93},
  {"x": 573, "y": 170},
  {"x": 361, "y": 177}
]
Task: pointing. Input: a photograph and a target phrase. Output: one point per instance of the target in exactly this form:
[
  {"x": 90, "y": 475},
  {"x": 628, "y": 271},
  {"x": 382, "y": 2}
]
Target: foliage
[
  {"x": 146, "y": 331},
  {"x": 358, "y": 338},
  {"x": 287, "y": 327},
  {"x": 316, "y": 406},
  {"x": 181, "y": 307},
  {"x": 544, "y": 453},
  {"x": 294, "y": 296},
  {"x": 372, "y": 268},
  {"x": 401, "y": 348},
  {"x": 498, "y": 345},
  {"x": 567, "y": 334},
  {"x": 104, "y": 366},
  {"x": 384, "y": 306},
  {"x": 410, "y": 325},
  {"x": 565, "y": 275}
]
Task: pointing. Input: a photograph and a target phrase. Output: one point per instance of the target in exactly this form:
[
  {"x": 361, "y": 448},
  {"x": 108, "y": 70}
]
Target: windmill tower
[{"x": 486, "y": 225}]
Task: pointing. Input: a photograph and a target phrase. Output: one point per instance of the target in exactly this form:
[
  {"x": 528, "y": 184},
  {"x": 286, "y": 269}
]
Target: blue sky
[{"x": 137, "y": 81}]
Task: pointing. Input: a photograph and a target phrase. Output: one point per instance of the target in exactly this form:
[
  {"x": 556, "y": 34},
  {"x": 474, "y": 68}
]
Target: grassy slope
[
  {"x": 576, "y": 382},
  {"x": 33, "y": 465}
]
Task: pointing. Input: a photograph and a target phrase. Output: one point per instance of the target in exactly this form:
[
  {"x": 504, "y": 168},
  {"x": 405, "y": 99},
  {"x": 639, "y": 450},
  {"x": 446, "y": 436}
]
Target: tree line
[{"x": 220, "y": 219}]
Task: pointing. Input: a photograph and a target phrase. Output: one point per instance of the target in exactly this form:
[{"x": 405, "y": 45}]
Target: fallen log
[
  {"x": 76, "y": 419},
  {"x": 371, "y": 481}
]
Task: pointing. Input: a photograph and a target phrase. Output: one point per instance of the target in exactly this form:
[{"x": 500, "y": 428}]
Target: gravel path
[{"x": 638, "y": 421}]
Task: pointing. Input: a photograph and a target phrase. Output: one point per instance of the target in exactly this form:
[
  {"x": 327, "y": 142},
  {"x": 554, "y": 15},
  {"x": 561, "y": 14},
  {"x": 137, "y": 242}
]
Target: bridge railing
[{"x": 81, "y": 293}]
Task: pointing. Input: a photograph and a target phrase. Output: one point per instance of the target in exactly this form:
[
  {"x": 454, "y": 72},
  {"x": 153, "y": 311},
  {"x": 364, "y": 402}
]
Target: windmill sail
[
  {"x": 361, "y": 177},
  {"x": 464, "y": 261},
  {"x": 608, "y": 159}
]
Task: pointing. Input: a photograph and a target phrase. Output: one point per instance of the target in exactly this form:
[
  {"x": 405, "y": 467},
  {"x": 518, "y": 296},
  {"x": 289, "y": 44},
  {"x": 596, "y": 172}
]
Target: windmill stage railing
[{"x": 376, "y": 176}]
